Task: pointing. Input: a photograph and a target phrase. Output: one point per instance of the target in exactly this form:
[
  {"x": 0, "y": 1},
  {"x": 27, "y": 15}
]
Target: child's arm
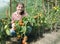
[
  {"x": 12, "y": 22},
  {"x": 12, "y": 18}
]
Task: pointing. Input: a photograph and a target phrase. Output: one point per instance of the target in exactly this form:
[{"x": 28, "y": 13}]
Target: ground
[{"x": 49, "y": 38}]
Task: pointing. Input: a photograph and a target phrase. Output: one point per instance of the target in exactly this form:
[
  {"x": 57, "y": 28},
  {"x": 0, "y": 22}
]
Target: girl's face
[{"x": 20, "y": 8}]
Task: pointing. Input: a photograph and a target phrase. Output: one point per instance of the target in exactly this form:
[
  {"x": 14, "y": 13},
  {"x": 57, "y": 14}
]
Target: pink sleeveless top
[{"x": 18, "y": 17}]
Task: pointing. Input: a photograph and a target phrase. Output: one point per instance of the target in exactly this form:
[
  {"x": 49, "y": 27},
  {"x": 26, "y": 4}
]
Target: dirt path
[{"x": 49, "y": 38}]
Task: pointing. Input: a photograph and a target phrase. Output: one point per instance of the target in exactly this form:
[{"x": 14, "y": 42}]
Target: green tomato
[{"x": 7, "y": 31}]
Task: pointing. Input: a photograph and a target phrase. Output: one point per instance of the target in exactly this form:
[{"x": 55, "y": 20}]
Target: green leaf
[
  {"x": 23, "y": 29},
  {"x": 7, "y": 31}
]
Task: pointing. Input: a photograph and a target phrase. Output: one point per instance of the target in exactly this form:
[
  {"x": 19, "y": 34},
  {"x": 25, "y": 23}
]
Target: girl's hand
[
  {"x": 12, "y": 22},
  {"x": 13, "y": 26}
]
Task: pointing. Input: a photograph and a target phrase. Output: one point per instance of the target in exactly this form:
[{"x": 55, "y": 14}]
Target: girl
[{"x": 19, "y": 13}]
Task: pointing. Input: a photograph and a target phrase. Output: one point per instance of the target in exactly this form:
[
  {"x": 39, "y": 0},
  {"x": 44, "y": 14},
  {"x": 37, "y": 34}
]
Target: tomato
[
  {"x": 21, "y": 24},
  {"x": 20, "y": 21},
  {"x": 24, "y": 42},
  {"x": 35, "y": 16},
  {"x": 18, "y": 36}
]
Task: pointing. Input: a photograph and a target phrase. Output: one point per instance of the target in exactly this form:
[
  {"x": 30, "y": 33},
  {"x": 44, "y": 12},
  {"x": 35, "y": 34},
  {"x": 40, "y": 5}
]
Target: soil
[{"x": 49, "y": 38}]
